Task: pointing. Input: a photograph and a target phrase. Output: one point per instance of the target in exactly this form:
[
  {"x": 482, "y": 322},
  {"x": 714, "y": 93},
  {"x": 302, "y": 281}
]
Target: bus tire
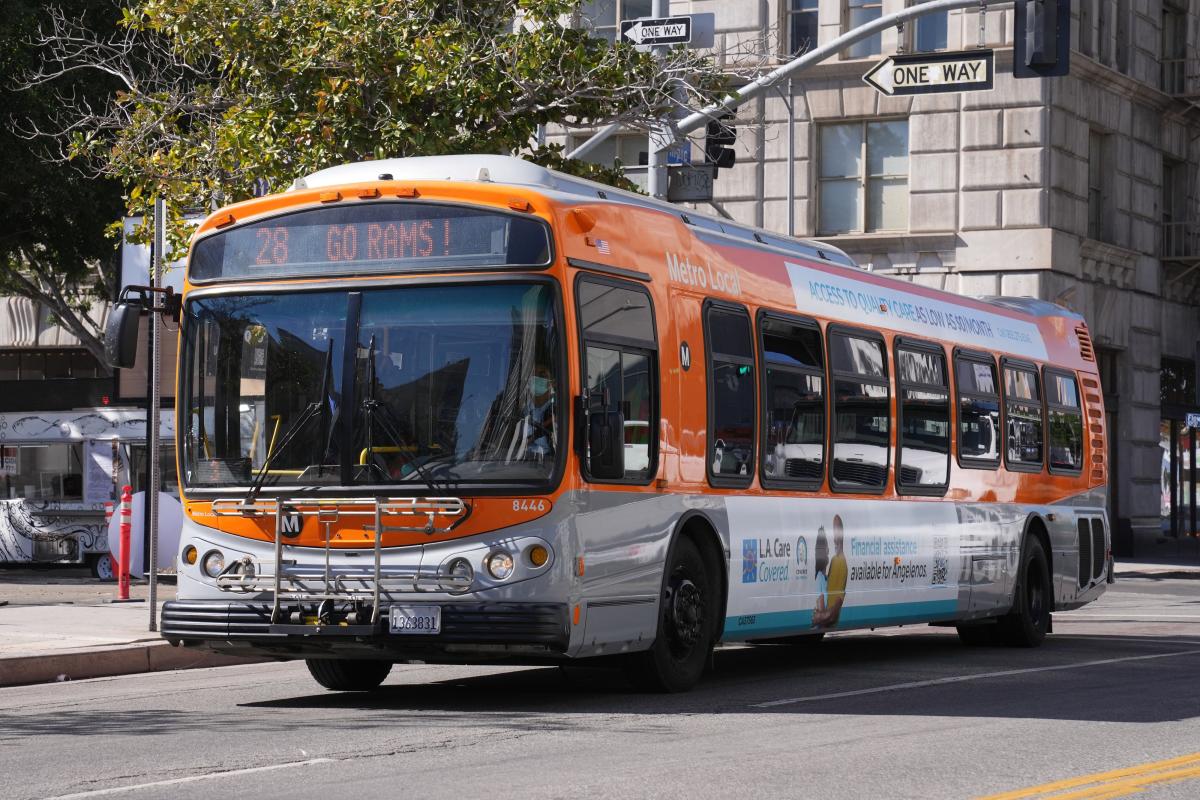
[
  {"x": 686, "y": 625},
  {"x": 978, "y": 635},
  {"x": 348, "y": 675},
  {"x": 1027, "y": 624}
]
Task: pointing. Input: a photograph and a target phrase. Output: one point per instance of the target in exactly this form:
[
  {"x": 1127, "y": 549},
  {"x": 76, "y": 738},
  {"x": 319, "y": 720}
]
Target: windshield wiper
[
  {"x": 314, "y": 410},
  {"x": 379, "y": 413}
]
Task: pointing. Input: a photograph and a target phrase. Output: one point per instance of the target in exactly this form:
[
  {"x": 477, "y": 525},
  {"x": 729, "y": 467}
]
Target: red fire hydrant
[{"x": 123, "y": 551}]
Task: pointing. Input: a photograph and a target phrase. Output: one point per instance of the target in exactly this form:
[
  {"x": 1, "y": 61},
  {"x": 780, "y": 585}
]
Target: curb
[{"x": 131, "y": 660}]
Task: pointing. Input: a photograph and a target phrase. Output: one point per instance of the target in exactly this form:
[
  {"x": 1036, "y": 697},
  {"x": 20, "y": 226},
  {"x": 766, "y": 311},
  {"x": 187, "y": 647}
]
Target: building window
[
  {"x": 861, "y": 412},
  {"x": 604, "y": 17},
  {"x": 1177, "y": 382},
  {"x": 731, "y": 395},
  {"x": 794, "y": 402},
  {"x": 931, "y": 32},
  {"x": 1174, "y": 205},
  {"x": 1099, "y": 168},
  {"x": 859, "y": 13},
  {"x": 56, "y": 364},
  {"x": 864, "y": 177},
  {"x": 631, "y": 149},
  {"x": 802, "y": 26},
  {"x": 1174, "y": 48}
]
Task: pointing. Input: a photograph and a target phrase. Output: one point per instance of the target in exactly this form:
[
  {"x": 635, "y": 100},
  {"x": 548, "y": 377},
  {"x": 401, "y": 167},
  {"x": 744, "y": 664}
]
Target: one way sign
[
  {"x": 661, "y": 30},
  {"x": 934, "y": 73}
]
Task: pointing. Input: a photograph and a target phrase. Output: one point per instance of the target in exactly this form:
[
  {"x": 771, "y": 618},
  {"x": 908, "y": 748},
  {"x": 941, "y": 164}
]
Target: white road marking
[
  {"x": 965, "y": 678},
  {"x": 190, "y": 779},
  {"x": 1115, "y": 616}
]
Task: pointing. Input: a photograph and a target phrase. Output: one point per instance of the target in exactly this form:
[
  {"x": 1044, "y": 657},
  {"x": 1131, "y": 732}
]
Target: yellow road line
[{"x": 1113, "y": 783}]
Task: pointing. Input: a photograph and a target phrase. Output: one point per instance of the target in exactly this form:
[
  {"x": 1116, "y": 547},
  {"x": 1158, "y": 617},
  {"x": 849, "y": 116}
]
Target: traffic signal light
[
  {"x": 1041, "y": 38},
  {"x": 718, "y": 140}
]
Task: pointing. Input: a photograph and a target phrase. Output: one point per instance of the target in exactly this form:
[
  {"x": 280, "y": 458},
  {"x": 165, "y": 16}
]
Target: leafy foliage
[
  {"x": 219, "y": 93},
  {"x": 53, "y": 248}
]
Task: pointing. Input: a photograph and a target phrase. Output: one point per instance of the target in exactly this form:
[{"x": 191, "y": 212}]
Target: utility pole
[{"x": 156, "y": 270}]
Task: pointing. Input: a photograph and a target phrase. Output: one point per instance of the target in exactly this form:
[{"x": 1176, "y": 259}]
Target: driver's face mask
[{"x": 539, "y": 386}]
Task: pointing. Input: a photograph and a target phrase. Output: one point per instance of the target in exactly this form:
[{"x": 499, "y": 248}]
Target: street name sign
[
  {"x": 657, "y": 30},
  {"x": 934, "y": 73}
]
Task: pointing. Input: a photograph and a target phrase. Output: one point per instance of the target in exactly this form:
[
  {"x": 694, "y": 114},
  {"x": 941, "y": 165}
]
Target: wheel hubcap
[{"x": 687, "y": 613}]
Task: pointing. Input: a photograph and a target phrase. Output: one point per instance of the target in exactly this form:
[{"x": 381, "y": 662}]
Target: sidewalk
[
  {"x": 1157, "y": 568},
  {"x": 61, "y": 625}
]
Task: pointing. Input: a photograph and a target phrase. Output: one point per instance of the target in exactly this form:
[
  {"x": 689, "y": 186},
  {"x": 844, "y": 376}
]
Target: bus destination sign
[{"x": 372, "y": 238}]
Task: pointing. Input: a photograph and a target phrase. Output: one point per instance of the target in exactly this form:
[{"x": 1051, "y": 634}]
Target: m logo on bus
[{"x": 290, "y": 523}]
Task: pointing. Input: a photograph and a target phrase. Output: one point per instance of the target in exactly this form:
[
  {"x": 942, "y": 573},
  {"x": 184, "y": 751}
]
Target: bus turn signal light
[
  {"x": 538, "y": 555},
  {"x": 189, "y": 555}
]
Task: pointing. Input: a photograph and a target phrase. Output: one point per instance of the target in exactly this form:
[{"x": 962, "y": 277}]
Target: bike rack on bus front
[{"x": 439, "y": 515}]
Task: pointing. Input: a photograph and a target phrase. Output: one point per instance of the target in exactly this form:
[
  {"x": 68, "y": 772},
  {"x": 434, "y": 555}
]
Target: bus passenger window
[
  {"x": 924, "y": 459},
  {"x": 1065, "y": 423},
  {"x": 617, "y": 326},
  {"x": 731, "y": 395},
  {"x": 978, "y": 412},
  {"x": 861, "y": 413},
  {"x": 794, "y": 401},
  {"x": 1023, "y": 411}
]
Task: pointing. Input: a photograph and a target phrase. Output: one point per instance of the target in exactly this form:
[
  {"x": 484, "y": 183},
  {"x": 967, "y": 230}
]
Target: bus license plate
[{"x": 416, "y": 619}]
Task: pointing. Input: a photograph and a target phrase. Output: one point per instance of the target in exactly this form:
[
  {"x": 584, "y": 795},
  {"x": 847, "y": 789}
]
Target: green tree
[
  {"x": 53, "y": 247},
  {"x": 218, "y": 93}
]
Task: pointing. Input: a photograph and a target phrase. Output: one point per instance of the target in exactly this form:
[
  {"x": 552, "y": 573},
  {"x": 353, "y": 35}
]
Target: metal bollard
[{"x": 123, "y": 552}]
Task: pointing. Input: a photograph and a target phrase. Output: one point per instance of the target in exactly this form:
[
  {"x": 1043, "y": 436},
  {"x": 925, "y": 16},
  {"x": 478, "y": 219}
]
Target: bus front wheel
[
  {"x": 686, "y": 624},
  {"x": 348, "y": 675},
  {"x": 1029, "y": 621}
]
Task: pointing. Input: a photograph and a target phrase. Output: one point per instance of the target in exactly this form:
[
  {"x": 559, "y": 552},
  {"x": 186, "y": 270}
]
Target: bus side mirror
[
  {"x": 606, "y": 443},
  {"x": 120, "y": 335}
]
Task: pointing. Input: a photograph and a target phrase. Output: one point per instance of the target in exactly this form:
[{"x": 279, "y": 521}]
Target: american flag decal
[{"x": 602, "y": 246}]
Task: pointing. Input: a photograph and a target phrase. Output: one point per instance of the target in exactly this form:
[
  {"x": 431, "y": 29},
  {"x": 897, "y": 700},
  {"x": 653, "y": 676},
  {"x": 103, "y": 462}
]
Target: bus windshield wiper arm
[{"x": 313, "y": 410}]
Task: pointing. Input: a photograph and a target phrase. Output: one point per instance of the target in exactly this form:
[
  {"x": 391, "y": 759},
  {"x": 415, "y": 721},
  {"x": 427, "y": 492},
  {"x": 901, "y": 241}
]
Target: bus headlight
[
  {"x": 499, "y": 565},
  {"x": 213, "y": 563}
]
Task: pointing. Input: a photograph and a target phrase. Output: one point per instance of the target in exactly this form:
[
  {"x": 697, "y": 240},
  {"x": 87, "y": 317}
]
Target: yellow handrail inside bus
[{"x": 387, "y": 448}]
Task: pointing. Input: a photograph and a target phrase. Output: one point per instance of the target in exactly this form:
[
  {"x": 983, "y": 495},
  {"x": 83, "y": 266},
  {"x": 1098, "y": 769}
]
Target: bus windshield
[{"x": 439, "y": 384}]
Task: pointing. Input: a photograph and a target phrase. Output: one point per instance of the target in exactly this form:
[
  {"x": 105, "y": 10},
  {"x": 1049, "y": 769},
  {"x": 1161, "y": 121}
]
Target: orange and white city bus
[{"x": 463, "y": 408}]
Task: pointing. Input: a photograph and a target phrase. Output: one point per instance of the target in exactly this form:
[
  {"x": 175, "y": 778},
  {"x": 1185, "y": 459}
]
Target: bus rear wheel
[
  {"x": 686, "y": 624},
  {"x": 1029, "y": 621},
  {"x": 348, "y": 675}
]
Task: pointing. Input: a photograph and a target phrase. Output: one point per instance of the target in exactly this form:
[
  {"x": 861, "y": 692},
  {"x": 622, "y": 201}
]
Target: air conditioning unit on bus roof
[{"x": 487, "y": 168}]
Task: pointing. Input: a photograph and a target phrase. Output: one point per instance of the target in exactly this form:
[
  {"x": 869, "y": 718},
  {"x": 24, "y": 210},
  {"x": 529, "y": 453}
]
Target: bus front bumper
[{"x": 470, "y": 632}]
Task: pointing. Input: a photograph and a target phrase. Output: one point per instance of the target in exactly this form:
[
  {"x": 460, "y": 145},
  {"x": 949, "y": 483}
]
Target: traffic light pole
[
  {"x": 660, "y": 135},
  {"x": 762, "y": 84}
]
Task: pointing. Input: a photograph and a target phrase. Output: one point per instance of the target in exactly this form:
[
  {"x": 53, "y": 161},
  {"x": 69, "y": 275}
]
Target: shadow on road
[
  {"x": 1144, "y": 690},
  {"x": 877, "y": 670}
]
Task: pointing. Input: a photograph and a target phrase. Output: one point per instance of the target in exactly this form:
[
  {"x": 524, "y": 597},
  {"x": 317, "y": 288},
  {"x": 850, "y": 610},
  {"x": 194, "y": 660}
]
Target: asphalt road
[{"x": 906, "y": 713}]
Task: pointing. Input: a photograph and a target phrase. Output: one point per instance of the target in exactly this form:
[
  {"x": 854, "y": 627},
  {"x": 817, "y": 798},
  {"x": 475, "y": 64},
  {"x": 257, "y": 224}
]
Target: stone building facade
[{"x": 1083, "y": 190}]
